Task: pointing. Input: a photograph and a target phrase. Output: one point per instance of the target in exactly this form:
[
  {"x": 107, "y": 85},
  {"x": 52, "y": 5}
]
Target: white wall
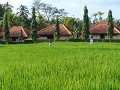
[
  {"x": 106, "y": 37},
  {"x": 114, "y": 37},
  {"x": 42, "y": 38},
  {"x": 61, "y": 38},
  {"x": 65, "y": 38},
  {"x": 117, "y": 36},
  {"x": 96, "y": 36}
]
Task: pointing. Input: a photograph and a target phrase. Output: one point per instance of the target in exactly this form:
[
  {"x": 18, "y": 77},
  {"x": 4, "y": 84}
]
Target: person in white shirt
[
  {"x": 50, "y": 42},
  {"x": 91, "y": 40}
]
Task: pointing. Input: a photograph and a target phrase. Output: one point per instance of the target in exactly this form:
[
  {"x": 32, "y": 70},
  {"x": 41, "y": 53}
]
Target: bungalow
[
  {"x": 15, "y": 32},
  {"x": 99, "y": 31},
  {"x": 48, "y": 32}
]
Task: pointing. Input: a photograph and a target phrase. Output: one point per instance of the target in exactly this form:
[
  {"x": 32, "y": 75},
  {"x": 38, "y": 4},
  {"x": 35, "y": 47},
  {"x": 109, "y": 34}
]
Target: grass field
[{"x": 64, "y": 66}]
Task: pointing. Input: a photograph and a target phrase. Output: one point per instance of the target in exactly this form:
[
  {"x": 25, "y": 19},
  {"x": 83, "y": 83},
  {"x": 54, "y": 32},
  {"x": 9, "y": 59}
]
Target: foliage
[
  {"x": 16, "y": 20},
  {"x": 69, "y": 22},
  {"x": 57, "y": 30},
  {"x": 5, "y": 8},
  {"x": 95, "y": 18},
  {"x": 110, "y": 25},
  {"x": 1, "y": 23},
  {"x": 85, "y": 27},
  {"x": 37, "y": 5},
  {"x": 117, "y": 22},
  {"x": 48, "y": 10},
  {"x": 21, "y": 37},
  {"x": 41, "y": 21},
  {"x": 75, "y": 24},
  {"x": 23, "y": 13},
  {"x": 100, "y": 13},
  {"x": 1, "y": 11},
  {"x": 5, "y": 28},
  {"x": 100, "y": 19},
  {"x": 10, "y": 19},
  {"x": 34, "y": 26}
]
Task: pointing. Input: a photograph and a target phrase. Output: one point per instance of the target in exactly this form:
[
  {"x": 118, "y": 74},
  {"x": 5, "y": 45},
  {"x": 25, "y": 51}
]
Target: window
[
  {"x": 48, "y": 37},
  {"x": 102, "y": 36}
]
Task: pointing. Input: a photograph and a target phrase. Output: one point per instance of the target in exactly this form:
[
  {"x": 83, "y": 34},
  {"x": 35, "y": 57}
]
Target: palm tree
[
  {"x": 7, "y": 7},
  {"x": 100, "y": 14},
  {"x": 95, "y": 17},
  {"x": 23, "y": 13},
  {"x": 1, "y": 11},
  {"x": 23, "y": 10}
]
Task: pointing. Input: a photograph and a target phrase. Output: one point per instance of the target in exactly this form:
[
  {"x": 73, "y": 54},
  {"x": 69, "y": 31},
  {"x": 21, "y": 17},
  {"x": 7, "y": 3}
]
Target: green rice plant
[{"x": 64, "y": 66}]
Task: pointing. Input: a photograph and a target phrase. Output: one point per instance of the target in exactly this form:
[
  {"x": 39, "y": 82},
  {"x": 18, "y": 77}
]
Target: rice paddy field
[{"x": 64, "y": 66}]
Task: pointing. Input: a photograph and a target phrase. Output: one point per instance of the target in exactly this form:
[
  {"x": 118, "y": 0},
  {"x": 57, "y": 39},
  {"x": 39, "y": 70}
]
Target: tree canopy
[
  {"x": 85, "y": 27},
  {"x": 5, "y": 28},
  {"x": 34, "y": 26},
  {"x": 110, "y": 25}
]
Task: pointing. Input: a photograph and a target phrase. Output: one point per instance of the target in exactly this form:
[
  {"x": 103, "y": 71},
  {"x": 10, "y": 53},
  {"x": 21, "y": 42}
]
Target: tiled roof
[
  {"x": 101, "y": 28},
  {"x": 27, "y": 31},
  {"x": 16, "y": 30},
  {"x": 50, "y": 31}
]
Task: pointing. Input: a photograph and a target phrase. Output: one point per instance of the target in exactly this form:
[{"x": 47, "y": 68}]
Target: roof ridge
[
  {"x": 117, "y": 30},
  {"x": 23, "y": 31},
  {"x": 46, "y": 27},
  {"x": 66, "y": 28}
]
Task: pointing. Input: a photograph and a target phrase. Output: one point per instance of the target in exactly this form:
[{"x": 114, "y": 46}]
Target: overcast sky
[{"x": 75, "y": 7}]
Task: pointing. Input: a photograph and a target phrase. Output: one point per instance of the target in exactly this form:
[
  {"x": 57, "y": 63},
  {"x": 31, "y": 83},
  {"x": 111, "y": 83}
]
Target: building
[
  {"x": 48, "y": 32},
  {"x": 99, "y": 31},
  {"x": 15, "y": 31}
]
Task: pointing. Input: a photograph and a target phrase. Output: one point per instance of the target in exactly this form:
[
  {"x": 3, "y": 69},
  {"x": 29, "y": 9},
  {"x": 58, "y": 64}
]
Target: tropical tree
[
  {"x": 23, "y": 13},
  {"x": 1, "y": 14},
  {"x": 10, "y": 19},
  {"x": 95, "y": 18},
  {"x": 85, "y": 27},
  {"x": 78, "y": 27},
  {"x": 74, "y": 24},
  {"x": 57, "y": 30},
  {"x": 16, "y": 20},
  {"x": 33, "y": 27},
  {"x": 69, "y": 22},
  {"x": 23, "y": 10},
  {"x": 117, "y": 22},
  {"x": 1, "y": 11},
  {"x": 100, "y": 13},
  {"x": 110, "y": 25},
  {"x": 41, "y": 21},
  {"x": 48, "y": 10},
  {"x": 5, "y": 28},
  {"x": 21, "y": 37},
  {"x": 37, "y": 5},
  {"x": 7, "y": 7}
]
